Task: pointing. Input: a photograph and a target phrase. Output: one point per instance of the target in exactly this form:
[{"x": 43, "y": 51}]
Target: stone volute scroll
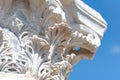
[{"x": 43, "y": 39}]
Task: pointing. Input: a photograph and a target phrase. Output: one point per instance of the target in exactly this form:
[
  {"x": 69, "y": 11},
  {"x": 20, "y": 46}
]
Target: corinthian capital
[{"x": 43, "y": 39}]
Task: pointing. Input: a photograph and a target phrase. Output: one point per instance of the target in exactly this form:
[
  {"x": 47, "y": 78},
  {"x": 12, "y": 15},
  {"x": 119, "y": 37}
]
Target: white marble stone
[{"x": 38, "y": 37}]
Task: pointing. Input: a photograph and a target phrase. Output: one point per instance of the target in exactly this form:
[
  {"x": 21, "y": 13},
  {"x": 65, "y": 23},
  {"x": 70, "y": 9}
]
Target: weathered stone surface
[
  {"x": 12, "y": 76},
  {"x": 38, "y": 38}
]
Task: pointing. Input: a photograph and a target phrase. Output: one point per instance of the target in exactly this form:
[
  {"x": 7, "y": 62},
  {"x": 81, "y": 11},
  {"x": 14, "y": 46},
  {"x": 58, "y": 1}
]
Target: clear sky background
[{"x": 106, "y": 63}]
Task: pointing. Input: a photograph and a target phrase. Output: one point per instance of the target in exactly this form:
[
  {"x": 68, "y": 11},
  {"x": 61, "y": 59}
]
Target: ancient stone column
[{"x": 43, "y": 39}]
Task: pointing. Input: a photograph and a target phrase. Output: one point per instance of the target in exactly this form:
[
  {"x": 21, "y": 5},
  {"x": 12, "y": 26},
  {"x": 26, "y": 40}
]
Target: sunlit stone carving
[{"x": 43, "y": 39}]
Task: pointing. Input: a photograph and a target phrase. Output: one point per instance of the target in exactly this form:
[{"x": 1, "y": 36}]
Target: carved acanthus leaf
[
  {"x": 36, "y": 50},
  {"x": 88, "y": 41},
  {"x": 58, "y": 37}
]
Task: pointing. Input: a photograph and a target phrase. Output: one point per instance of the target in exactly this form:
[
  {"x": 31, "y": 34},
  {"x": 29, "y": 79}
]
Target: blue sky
[{"x": 106, "y": 63}]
